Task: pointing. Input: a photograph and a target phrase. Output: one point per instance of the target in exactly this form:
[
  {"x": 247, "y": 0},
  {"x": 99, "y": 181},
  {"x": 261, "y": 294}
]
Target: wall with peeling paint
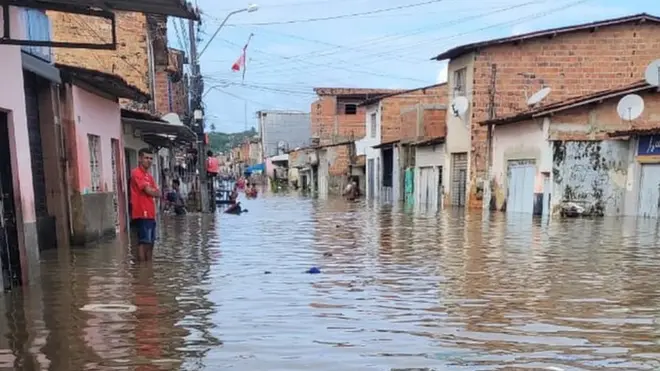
[
  {"x": 592, "y": 174},
  {"x": 521, "y": 141}
]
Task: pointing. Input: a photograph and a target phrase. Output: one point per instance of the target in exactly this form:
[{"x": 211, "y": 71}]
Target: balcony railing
[{"x": 37, "y": 28}]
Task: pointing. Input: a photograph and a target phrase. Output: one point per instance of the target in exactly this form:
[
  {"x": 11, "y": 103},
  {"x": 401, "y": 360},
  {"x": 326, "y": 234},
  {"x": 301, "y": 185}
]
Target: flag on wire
[{"x": 240, "y": 63}]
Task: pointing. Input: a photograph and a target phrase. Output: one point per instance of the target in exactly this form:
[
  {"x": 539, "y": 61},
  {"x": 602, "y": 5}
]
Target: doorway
[{"x": 9, "y": 251}]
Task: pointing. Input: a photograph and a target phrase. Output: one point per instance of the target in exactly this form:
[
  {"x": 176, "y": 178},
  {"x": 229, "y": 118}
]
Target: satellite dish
[
  {"x": 459, "y": 106},
  {"x": 652, "y": 74},
  {"x": 630, "y": 107},
  {"x": 281, "y": 144},
  {"x": 538, "y": 96}
]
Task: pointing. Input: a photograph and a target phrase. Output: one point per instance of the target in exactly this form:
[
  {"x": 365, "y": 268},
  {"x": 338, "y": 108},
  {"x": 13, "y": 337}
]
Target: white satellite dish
[
  {"x": 652, "y": 74},
  {"x": 630, "y": 107},
  {"x": 538, "y": 96},
  {"x": 281, "y": 144},
  {"x": 460, "y": 106}
]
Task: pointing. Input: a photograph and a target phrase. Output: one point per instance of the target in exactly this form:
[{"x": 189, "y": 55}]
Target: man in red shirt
[{"x": 143, "y": 213}]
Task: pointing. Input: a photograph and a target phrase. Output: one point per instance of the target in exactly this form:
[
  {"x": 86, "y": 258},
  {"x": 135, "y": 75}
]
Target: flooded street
[{"x": 396, "y": 291}]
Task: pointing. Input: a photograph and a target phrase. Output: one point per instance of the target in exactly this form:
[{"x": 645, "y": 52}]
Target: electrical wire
[
  {"x": 416, "y": 46},
  {"x": 360, "y": 47},
  {"x": 351, "y": 15}
]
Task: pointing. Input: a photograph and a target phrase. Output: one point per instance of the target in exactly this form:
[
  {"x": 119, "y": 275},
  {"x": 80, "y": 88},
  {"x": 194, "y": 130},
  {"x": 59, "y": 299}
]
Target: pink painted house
[
  {"x": 30, "y": 182},
  {"x": 91, "y": 118}
]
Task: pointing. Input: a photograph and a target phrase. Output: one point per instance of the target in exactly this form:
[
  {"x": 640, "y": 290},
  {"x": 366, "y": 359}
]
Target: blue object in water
[{"x": 313, "y": 270}]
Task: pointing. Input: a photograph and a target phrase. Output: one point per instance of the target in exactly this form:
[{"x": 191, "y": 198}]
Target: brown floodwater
[{"x": 398, "y": 290}]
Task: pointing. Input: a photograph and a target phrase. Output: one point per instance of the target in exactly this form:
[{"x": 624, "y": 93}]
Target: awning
[
  {"x": 175, "y": 8},
  {"x": 255, "y": 168},
  {"x": 157, "y": 132},
  {"x": 40, "y": 68},
  {"x": 280, "y": 158},
  {"x": 102, "y": 82},
  {"x": 430, "y": 141},
  {"x": 386, "y": 144}
]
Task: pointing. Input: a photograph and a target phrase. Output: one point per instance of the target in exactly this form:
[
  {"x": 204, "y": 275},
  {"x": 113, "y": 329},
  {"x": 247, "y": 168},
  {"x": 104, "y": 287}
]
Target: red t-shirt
[
  {"x": 212, "y": 165},
  {"x": 143, "y": 205}
]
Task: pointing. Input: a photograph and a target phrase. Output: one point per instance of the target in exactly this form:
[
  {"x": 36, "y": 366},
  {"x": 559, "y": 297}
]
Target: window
[
  {"x": 374, "y": 124},
  {"x": 459, "y": 82},
  {"x": 350, "y": 109},
  {"x": 95, "y": 161}
]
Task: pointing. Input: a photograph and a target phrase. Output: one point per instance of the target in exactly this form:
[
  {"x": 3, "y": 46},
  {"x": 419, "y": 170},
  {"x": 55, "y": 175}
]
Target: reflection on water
[{"x": 398, "y": 291}]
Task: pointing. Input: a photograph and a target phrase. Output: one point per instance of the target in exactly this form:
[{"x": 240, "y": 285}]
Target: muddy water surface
[{"x": 398, "y": 290}]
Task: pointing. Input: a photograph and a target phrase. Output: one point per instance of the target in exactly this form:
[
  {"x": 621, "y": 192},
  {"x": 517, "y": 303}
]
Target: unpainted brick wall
[
  {"x": 342, "y": 161},
  {"x": 333, "y": 127},
  {"x": 129, "y": 60},
  {"x": 571, "y": 64},
  {"x": 393, "y": 107},
  {"x": 434, "y": 123}
]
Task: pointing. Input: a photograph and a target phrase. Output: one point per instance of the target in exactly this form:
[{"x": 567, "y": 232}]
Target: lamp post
[
  {"x": 250, "y": 9},
  {"x": 196, "y": 90}
]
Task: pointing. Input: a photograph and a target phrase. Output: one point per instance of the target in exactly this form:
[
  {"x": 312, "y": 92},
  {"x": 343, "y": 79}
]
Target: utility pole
[
  {"x": 491, "y": 115},
  {"x": 196, "y": 90}
]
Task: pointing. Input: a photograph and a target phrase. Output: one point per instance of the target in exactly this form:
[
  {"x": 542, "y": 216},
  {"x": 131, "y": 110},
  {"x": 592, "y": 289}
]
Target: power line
[
  {"x": 360, "y": 47},
  {"x": 394, "y": 51},
  {"x": 351, "y": 15}
]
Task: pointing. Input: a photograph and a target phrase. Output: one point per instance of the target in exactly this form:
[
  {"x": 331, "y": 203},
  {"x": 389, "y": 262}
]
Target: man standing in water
[{"x": 143, "y": 214}]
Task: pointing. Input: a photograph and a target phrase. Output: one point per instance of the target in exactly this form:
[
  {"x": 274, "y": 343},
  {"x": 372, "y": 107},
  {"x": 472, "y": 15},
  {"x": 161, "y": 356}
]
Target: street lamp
[{"x": 250, "y": 9}]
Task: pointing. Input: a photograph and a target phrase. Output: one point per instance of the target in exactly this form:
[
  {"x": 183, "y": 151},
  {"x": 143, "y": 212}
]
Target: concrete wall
[
  {"x": 573, "y": 64},
  {"x": 592, "y": 174},
  {"x": 458, "y": 128},
  {"x": 292, "y": 128},
  {"x": 521, "y": 141},
  {"x": 12, "y": 101}
]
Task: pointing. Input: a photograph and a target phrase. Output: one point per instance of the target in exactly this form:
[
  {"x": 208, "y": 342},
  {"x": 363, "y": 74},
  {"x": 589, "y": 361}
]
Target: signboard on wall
[{"x": 648, "y": 145}]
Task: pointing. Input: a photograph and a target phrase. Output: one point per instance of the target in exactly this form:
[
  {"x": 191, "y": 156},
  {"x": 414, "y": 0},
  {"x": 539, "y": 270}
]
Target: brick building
[
  {"x": 171, "y": 86},
  {"x": 386, "y": 119},
  {"x": 337, "y": 115},
  {"x": 579, "y": 152},
  {"x": 497, "y": 75}
]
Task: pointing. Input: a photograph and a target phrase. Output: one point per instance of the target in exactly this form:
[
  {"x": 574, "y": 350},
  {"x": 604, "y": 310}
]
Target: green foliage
[{"x": 224, "y": 142}]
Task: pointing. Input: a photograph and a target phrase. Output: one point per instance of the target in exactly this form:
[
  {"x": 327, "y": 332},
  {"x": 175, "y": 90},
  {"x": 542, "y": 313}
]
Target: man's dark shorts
[{"x": 146, "y": 231}]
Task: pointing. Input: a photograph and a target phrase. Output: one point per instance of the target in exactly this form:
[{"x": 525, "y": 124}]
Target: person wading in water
[
  {"x": 351, "y": 192},
  {"x": 143, "y": 194}
]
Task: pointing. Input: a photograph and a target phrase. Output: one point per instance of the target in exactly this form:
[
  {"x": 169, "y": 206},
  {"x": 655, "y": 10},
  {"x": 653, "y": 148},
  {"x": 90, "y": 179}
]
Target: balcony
[{"x": 37, "y": 28}]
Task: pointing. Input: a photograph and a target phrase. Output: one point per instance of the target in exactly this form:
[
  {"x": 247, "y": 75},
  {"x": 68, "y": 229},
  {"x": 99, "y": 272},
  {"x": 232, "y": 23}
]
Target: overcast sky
[{"x": 291, "y": 52}]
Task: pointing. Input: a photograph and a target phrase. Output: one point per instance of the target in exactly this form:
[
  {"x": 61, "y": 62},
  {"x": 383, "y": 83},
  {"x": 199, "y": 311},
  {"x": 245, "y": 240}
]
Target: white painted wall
[
  {"x": 366, "y": 145},
  {"x": 430, "y": 156},
  {"x": 522, "y": 141},
  {"x": 397, "y": 192},
  {"x": 458, "y": 129}
]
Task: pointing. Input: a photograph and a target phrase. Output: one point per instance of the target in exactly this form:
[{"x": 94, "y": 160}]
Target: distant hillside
[{"x": 224, "y": 142}]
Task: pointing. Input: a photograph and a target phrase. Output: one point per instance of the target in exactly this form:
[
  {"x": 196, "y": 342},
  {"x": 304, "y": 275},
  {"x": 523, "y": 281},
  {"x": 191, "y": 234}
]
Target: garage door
[
  {"x": 649, "y": 191},
  {"x": 520, "y": 197}
]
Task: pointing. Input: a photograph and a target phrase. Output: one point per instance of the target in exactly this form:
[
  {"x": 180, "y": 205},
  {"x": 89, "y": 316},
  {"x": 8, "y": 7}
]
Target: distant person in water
[
  {"x": 233, "y": 197},
  {"x": 175, "y": 200},
  {"x": 351, "y": 192}
]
